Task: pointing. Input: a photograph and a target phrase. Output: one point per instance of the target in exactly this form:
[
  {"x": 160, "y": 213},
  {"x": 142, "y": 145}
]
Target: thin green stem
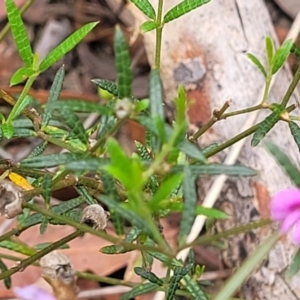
[
  {"x": 243, "y": 111},
  {"x": 9, "y": 234},
  {"x": 23, "y": 9},
  {"x": 30, "y": 260},
  {"x": 159, "y": 30},
  {"x": 232, "y": 141},
  {"x": 291, "y": 88},
  {"x": 267, "y": 88}
]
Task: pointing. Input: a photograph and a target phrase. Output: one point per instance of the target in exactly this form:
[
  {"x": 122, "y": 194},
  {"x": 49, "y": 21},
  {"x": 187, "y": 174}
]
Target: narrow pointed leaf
[
  {"x": 139, "y": 290},
  {"x": 82, "y": 191},
  {"x": 7, "y": 130},
  {"x": 87, "y": 164},
  {"x": 6, "y": 280},
  {"x": 189, "y": 205},
  {"x": 67, "y": 45},
  {"x": 166, "y": 260},
  {"x": 38, "y": 150},
  {"x": 294, "y": 266},
  {"x": 191, "y": 150},
  {"x": 295, "y": 130},
  {"x": 46, "y": 185},
  {"x": 156, "y": 95},
  {"x": 266, "y": 125},
  {"x": 295, "y": 51},
  {"x": 47, "y": 161},
  {"x": 44, "y": 225},
  {"x": 270, "y": 50},
  {"x": 183, "y": 8},
  {"x": 281, "y": 55},
  {"x": 20, "y": 75},
  {"x": 19, "y": 32},
  {"x": 17, "y": 247},
  {"x": 285, "y": 162},
  {"x": 257, "y": 62},
  {"x": 124, "y": 74},
  {"x": 148, "y": 26},
  {"x": 193, "y": 287},
  {"x": 27, "y": 99},
  {"x": 53, "y": 94},
  {"x": 146, "y": 7},
  {"x": 107, "y": 85},
  {"x": 148, "y": 275}
]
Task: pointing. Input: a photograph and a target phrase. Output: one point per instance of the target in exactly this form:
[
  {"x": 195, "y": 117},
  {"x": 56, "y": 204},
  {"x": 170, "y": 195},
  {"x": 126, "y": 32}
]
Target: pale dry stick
[
  {"x": 105, "y": 291},
  {"x": 234, "y": 151}
]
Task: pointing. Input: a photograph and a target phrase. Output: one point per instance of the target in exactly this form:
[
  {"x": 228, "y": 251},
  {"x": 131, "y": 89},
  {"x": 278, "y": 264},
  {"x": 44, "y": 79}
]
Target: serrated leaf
[
  {"x": 148, "y": 26},
  {"x": 295, "y": 130},
  {"x": 294, "y": 266},
  {"x": 281, "y": 55},
  {"x": 266, "y": 125},
  {"x": 107, "y": 85},
  {"x": 179, "y": 273},
  {"x": 217, "y": 169},
  {"x": 47, "y": 189},
  {"x": 53, "y": 94},
  {"x": 183, "y": 8},
  {"x": 67, "y": 45},
  {"x": 164, "y": 190},
  {"x": 191, "y": 150},
  {"x": 270, "y": 50},
  {"x": 48, "y": 161},
  {"x": 194, "y": 288},
  {"x": 148, "y": 275},
  {"x": 285, "y": 162},
  {"x": 189, "y": 205},
  {"x": 258, "y": 64},
  {"x": 19, "y": 32},
  {"x": 74, "y": 123},
  {"x": 20, "y": 75},
  {"x": 7, "y": 280},
  {"x": 146, "y": 7},
  {"x": 143, "y": 288},
  {"x": 124, "y": 74}
]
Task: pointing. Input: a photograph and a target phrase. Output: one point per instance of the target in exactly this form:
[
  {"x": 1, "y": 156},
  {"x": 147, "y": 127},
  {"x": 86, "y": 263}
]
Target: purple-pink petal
[
  {"x": 284, "y": 203},
  {"x": 291, "y": 219},
  {"x": 32, "y": 292}
]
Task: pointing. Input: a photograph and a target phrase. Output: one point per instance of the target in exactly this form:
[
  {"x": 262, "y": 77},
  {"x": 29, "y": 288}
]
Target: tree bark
[{"x": 205, "y": 51}]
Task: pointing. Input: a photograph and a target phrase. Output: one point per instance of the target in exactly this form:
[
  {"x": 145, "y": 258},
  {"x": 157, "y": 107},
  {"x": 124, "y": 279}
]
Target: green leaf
[
  {"x": 281, "y": 55},
  {"x": 266, "y": 125},
  {"x": 74, "y": 123},
  {"x": 20, "y": 75},
  {"x": 191, "y": 150},
  {"x": 156, "y": 95},
  {"x": 285, "y": 162},
  {"x": 107, "y": 85},
  {"x": 259, "y": 65},
  {"x": 294, "y": 266},
  {"x": 7, "y": 280},
  {"x": 189, "y": 205},
  {"x": 200, "y": 210},
  {"x": 53, "y": 94},
  {"x": 270, "y": 50},
  {"x": 27, "y": 99},
  {"x": 7, "y": 130},
  {"x": 179, "y": 273},
  {"x": 142, "y": 105},
  {"x": 146, "y": 7},
  {"x": 38, "y": 150},
  {"x": 183, "y": 8},
  {"x": 166, "y": 260},
  {"x": 48, "y": 161},
  {"x": 148, "y": 26},
  {"x": 81, "y": 106},
  {"x": 42, "y": 246},
  {"x": 90, "y": 164},
  {"x": 19, "y": 32},
  {"x": 295, "y": 130},
  {"x": 143, "y": 288},
  {"x": 82, "y": 191},
  {"x": 217, "y": 169},
  {"x": 67, "y": 45},
  {"x": 148, "y": 275},
  {"x": 248, "y": 266},
  {"x": 164, "y": 190},
  {"x": 47, "y": 191},
  {"x": 124, "y": 74},
  {"x": 19, "y": 247},
  {"x": 193, "y": 287},
  {"x": 44, "y": 225},
  {"x": 295, "y": 51}
]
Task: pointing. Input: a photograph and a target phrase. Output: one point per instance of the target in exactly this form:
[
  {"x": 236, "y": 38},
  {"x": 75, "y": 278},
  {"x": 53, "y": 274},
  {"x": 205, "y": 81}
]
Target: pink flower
[
  {"x": 32, "y": 292},
  {"x": 285, "y": 208}
]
